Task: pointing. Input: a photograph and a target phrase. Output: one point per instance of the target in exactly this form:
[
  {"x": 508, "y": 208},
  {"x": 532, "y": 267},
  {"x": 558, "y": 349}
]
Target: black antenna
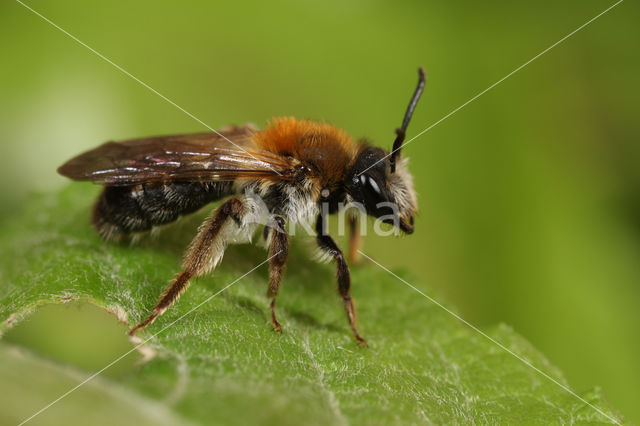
[{"x": 401, "y": 132}]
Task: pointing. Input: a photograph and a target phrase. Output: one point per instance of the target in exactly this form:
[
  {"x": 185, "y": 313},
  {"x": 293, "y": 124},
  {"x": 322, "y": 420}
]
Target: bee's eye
[
  {"x": 371, "y": 185},
  {"x": 371, "y": 191}
]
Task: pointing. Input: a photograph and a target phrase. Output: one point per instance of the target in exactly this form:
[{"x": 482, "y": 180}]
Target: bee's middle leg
[
  {"x": 278, "y": 251},
  {"x": 203, "y": 254}
]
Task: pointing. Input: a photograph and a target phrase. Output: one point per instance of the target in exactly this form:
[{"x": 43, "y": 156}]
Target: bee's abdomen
[{"x": 123, "y": 210}]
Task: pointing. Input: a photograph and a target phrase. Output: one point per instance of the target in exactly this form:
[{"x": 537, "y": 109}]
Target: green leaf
[
  {"x": 30, "y": 383},
  {"x": 223, "y": 364}
]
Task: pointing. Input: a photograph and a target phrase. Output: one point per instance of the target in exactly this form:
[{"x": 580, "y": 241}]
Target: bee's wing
[{"x": 202, "y": 157}]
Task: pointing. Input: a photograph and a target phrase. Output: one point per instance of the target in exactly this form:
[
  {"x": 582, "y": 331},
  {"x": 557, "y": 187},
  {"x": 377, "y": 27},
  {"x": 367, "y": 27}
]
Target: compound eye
[
  {"x": 371, "y": 191},
  {"x": 371, "y": 185}
]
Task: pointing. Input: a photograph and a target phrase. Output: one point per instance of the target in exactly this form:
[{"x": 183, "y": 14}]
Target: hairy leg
[
  {"x": 326, "y": 243},
  {"x": 203, "y": 254},
  {"x": 278, "y": 251}
]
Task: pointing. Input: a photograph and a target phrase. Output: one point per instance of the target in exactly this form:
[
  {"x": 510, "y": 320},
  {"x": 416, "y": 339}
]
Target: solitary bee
[{"x": 294, "y": 166}]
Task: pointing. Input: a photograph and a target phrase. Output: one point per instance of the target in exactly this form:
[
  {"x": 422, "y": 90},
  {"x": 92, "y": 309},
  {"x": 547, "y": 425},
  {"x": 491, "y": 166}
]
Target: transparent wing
[{"x": 191, "y": 157}]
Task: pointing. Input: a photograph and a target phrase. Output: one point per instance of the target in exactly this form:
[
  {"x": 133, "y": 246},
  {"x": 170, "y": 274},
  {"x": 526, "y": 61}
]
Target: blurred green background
[{"x": 530, "y": 195}]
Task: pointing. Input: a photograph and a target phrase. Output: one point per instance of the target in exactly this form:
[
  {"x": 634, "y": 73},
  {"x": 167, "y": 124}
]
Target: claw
[
  {"x": 361, "y": 341},
  {"x": 276, "y": 325},
  {"x": 144, "y": 323}
]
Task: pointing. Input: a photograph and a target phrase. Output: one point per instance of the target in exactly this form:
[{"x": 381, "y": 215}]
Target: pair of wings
[{"x": 224, "y": 156}]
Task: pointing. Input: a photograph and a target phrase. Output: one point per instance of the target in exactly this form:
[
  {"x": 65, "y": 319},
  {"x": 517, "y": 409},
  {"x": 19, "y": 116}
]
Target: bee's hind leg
[
  {"x": 278, "y": 242},
  {"x": 203, "y": 254}
]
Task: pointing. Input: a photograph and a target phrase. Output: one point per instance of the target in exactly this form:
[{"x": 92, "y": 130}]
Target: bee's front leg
[{"x": 326, "y": 244}]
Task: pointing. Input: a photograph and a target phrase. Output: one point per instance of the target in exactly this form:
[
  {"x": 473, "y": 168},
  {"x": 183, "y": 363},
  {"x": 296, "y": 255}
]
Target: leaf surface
[{"x": 222, "y": 363}]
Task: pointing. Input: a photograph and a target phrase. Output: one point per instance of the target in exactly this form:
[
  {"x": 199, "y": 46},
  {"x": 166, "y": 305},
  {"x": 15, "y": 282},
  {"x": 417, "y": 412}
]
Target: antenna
[{"x": 401, "y": 132}]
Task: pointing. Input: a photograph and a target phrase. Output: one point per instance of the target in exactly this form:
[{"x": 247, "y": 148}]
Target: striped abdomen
[{"x": 125, "y": 209}]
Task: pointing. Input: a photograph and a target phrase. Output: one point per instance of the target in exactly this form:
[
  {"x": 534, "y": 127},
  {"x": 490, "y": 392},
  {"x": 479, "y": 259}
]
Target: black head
[{"x": 383, "y": 194}]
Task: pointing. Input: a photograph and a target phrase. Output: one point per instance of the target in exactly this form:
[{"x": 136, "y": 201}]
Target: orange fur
[{"x": 324, "y": 148}]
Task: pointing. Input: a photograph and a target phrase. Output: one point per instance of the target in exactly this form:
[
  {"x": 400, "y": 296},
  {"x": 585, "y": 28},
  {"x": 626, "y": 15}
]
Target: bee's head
[
  {"x": 380, "y": 181},
  {"x": 384, "y": 193}
]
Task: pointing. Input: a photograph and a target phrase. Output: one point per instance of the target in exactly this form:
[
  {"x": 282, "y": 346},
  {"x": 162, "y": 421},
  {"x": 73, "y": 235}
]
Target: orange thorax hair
[{"x": 325, "y": 149}]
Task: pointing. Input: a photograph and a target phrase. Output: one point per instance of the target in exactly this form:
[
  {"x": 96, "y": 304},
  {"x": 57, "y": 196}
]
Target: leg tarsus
[
  {"x": 177, "y": 287},
  {"x": 144, "y": 323},
  {"x": 350, "y": 308},
  {"x": 276, "y": 325}
]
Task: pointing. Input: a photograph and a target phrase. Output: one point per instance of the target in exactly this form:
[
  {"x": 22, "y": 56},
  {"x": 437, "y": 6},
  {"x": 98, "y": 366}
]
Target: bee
[{"x": 293, "y": 166}]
